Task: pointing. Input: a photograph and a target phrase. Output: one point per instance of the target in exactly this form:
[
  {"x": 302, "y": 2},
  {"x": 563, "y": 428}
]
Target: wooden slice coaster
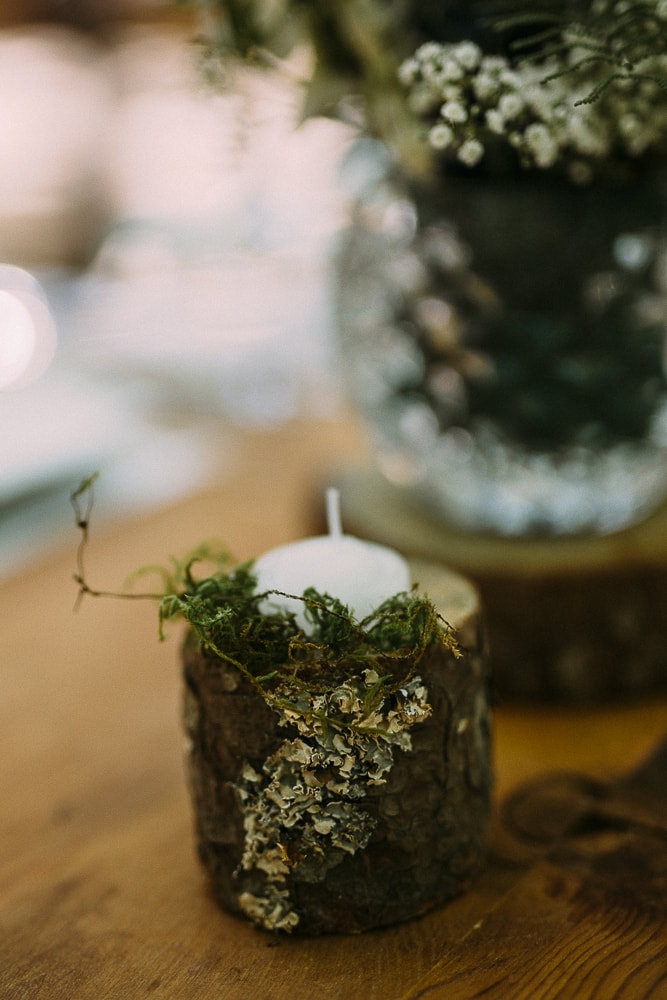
[{"x": 579, "y": 619}]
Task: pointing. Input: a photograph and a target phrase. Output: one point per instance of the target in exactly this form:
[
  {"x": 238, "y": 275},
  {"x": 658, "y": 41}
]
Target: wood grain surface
[{"x": 101, "y": 894}]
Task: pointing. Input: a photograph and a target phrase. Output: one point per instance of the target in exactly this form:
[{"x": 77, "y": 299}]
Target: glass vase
[{"x": 504, "y": 339}]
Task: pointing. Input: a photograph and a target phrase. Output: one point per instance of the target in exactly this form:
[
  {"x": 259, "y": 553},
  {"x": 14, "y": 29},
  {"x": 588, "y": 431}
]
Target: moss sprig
[
  {"x": 285, "y": 662},
  {"x": 282, "y": 661}
]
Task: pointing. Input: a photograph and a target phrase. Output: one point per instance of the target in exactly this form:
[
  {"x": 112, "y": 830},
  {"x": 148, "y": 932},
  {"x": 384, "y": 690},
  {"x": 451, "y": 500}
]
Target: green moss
[
  {"x": 272, "y": 651},
  {"x": 281, "y": 660}
]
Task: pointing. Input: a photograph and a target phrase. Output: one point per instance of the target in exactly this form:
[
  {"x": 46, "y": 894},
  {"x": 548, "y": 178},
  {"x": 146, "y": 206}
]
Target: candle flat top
[
  {"x": 330, "y": 558},
  {"x": 360, "y": 574}
]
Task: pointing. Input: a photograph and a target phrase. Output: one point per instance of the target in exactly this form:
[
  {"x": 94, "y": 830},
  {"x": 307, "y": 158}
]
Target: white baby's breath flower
[
  {"x": 541, "y": 99},
  {"x": 580, "y": 130},
  {"x": 468, "y": 55},
  {"x": 451, "y": 70},
  {"x": 470, "y": 152},
  {"x": 510, "y": 78},
  {"x": 510, "y": 106},
  {"x": 494, "y": 64},
  {"x": 408, "y": 72},
  {"x": 451, "y": 92},
  {"x": 434, "y": 78},
  {"x": 629, "y": 125},
  {"x": 454, "y": 111},
  {"x": 428, "y": 51},
  {"x": 485, "y": 86},
  {"x": 441, "y": 136},
  {"x": 542, "y": 145},
  {"x": 495, "y": 121}
]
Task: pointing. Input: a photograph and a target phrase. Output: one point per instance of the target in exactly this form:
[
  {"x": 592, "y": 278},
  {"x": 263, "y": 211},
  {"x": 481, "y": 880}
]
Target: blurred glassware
[{"x": 506, "y": 342}]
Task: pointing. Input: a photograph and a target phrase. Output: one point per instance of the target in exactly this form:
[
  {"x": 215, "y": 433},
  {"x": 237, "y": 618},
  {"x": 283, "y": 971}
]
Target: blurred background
[{"x": 165, "y": 246}]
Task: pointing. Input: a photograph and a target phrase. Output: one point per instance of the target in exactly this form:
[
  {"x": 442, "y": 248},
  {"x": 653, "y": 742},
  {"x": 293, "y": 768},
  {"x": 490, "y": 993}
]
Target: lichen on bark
[{"x": 303, "y": 812}]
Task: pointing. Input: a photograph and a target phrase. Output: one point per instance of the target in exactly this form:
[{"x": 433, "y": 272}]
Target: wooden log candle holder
[{"x": 312, "y": 830}]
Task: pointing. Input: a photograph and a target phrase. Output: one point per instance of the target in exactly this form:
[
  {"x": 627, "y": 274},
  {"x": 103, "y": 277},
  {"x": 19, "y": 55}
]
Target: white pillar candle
[{"x": 360, "y": 574}]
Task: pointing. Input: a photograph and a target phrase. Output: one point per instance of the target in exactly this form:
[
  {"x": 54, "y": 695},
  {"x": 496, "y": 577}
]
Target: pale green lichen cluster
[{"x": 302, "y": 812}]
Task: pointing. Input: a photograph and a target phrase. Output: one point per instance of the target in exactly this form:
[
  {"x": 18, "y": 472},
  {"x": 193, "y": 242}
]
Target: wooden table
[{"x": 101, "y": 895}]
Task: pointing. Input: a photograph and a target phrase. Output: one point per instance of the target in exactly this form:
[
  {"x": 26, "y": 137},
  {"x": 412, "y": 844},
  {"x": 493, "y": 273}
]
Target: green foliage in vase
[{"x": 554, "y": 84}]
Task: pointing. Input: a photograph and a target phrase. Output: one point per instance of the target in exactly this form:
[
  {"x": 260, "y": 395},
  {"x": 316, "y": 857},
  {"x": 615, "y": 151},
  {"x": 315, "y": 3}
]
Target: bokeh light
[{"x": 27, "y": 329}]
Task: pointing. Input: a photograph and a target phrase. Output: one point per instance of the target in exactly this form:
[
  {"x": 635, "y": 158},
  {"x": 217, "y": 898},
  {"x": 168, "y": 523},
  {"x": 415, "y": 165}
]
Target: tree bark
[{"x": 428, "y": 820}]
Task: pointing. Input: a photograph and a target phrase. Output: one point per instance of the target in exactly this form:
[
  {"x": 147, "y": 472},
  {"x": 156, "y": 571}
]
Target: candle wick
[{"x": 333, "y": 512}]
